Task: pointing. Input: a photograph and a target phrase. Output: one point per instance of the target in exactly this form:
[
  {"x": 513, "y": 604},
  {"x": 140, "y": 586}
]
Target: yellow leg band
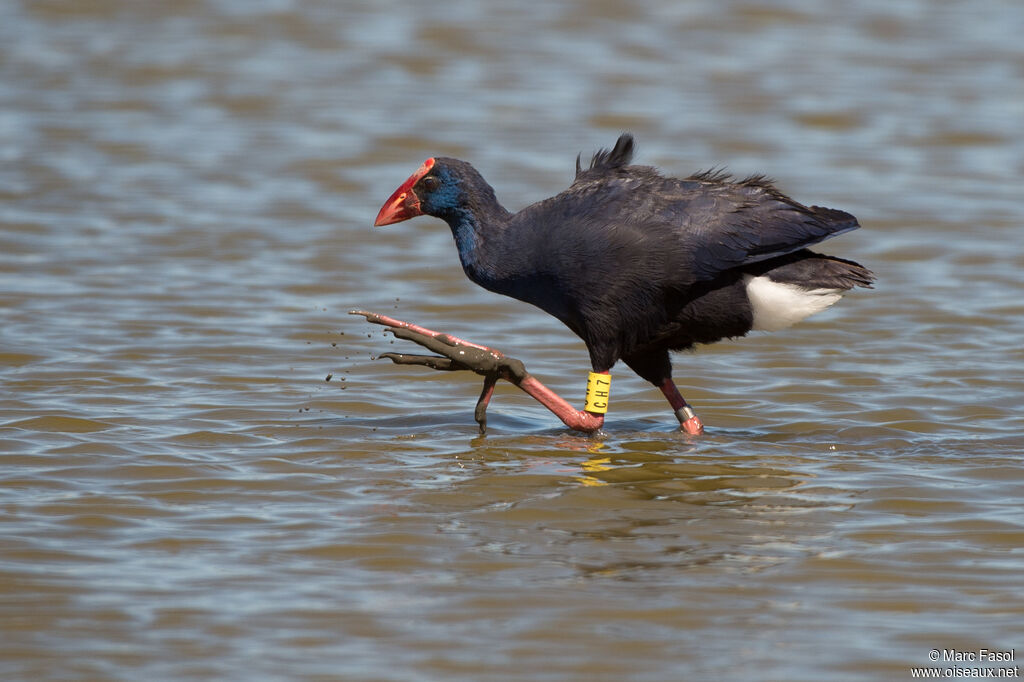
[{"x": 598, "y": 388}]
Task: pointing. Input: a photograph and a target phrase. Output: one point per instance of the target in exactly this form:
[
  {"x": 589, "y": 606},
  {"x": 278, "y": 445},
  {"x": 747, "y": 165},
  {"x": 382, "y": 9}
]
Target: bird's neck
[{"x": 478, "y": 230}]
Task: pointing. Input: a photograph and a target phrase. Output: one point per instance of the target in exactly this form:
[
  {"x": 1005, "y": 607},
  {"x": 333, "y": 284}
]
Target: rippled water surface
[{"x": 186, "y": 198}]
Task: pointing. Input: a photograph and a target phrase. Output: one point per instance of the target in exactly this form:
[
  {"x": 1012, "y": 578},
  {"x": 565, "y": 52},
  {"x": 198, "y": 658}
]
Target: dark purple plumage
[{"x": 636, "y": 263}]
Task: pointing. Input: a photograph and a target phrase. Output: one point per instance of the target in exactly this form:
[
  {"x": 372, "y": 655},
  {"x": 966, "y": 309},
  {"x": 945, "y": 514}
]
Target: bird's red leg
[
  {"x": 688, "y": 420},
  {"x": 580, "y": 420}
]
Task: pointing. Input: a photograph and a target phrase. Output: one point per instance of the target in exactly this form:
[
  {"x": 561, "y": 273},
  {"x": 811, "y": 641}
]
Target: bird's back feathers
[{"x": 604, "y": 160}]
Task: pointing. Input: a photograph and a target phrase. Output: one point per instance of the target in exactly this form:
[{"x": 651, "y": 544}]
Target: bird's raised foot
[{"x": 453, "y": 354}]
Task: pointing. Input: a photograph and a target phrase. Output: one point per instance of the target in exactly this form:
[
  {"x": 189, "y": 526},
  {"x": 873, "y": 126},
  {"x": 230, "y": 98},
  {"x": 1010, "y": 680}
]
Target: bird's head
[
  {"x": 436, "y": 188},
  {"x": 445, "y": 188}
]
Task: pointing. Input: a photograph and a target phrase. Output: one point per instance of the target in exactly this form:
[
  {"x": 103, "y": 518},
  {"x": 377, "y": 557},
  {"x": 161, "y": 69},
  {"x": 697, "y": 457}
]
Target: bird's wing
[
  {"x": 713, "y": 224},
  {"x": 630, "y": 231},
  {"x": 709, "y": 221}
]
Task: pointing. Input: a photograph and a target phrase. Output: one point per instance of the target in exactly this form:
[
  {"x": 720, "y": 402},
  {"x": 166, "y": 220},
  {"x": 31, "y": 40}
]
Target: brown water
[{"x": 186, "y": 198}]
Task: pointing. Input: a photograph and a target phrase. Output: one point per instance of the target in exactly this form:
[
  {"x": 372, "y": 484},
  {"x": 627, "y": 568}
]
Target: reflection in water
[
  {"x": 632, "y": 518},
  {"x": 693, "y": 483},
  {"x": 592, "y": 468}
]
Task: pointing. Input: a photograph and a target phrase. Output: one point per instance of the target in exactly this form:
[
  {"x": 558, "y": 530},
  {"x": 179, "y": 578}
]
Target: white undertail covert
[{"x": 777, "y": 305}]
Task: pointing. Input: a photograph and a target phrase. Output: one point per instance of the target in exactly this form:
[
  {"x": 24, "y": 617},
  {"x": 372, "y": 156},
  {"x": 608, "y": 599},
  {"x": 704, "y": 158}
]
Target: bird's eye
[{"x": 431, "y": 183}]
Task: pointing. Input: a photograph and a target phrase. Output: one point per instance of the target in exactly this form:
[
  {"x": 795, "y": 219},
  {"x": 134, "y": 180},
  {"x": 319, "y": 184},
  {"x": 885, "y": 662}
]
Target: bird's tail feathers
[{"x": 811, "y": 270}]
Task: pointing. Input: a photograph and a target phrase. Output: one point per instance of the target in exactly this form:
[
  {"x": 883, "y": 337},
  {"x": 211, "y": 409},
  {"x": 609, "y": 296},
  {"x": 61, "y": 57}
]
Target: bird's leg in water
[
  {"x": 688, "y": 419},
  {"x": 454, "y": 354}
]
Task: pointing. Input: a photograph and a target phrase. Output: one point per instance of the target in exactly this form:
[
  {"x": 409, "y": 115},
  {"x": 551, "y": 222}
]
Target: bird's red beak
[{"x": 404, "y": 203}]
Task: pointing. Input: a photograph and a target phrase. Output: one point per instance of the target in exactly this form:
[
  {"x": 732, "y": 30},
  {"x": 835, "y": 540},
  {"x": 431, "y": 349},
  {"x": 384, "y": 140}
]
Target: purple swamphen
[{"x": 637, "y": 264}]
